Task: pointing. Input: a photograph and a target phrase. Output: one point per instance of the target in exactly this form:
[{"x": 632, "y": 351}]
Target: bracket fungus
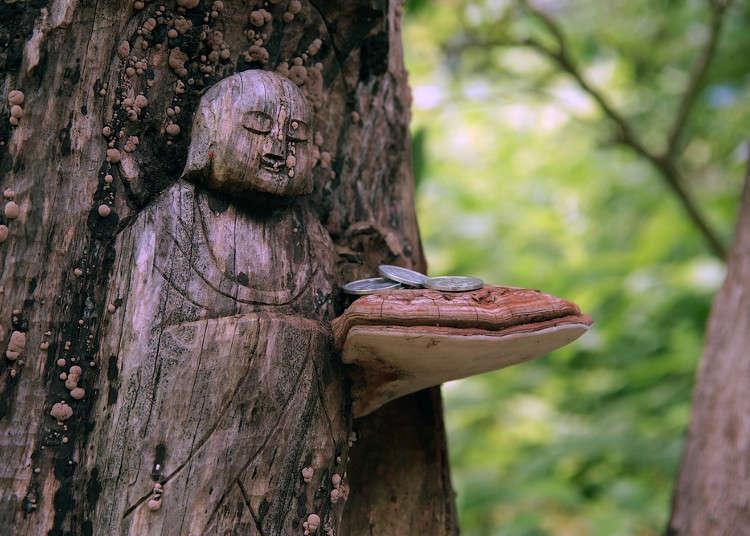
[{"x": 402, "y": 341}]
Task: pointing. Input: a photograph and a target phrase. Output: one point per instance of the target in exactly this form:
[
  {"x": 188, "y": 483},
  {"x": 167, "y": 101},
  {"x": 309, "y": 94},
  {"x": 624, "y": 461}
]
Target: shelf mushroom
[{"x": 405, "y": 340}]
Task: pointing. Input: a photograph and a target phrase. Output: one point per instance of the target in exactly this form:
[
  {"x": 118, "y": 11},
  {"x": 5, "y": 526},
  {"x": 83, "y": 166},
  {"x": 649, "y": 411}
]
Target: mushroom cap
[
  {"x": 313, "y": 521},
  {"x": 61, "y": 411},
  {"x": 406, "y": 340},
  {"x": 17, "y": 341}
]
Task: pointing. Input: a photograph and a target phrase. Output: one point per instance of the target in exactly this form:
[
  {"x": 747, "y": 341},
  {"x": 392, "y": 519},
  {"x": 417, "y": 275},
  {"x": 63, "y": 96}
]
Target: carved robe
[{"x": 206, "y": 294}]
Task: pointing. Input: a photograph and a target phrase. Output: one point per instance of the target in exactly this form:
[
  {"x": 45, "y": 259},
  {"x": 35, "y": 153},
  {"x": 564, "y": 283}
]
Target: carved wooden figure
[{"x": 217, "y": 335}]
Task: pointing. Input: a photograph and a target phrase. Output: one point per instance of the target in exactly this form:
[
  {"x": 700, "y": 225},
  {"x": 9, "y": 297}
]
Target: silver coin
[
  {"x": 402, "y": 275},
  {"x": 453, "y": 283},
  {"x": 370, "y": 286}
]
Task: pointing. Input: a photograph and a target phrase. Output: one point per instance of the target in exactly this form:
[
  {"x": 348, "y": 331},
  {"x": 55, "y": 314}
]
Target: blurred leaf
[{"x": 415, "y": 6}]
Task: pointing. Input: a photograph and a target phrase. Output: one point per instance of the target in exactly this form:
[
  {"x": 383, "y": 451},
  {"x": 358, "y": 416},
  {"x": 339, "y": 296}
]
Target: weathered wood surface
[
  {"x": 402, "y": 458},
  {"x": 712, "y": 492},
  {"x": 65, "y": 259}
]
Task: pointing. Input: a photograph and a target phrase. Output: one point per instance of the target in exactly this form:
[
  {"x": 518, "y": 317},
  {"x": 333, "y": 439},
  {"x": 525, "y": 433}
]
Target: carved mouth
[{"x": 272, "y": 164}]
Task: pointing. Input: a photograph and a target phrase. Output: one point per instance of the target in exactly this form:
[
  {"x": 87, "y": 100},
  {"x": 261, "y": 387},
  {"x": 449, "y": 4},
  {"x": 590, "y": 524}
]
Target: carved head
[{"x": 251, "y": 133}]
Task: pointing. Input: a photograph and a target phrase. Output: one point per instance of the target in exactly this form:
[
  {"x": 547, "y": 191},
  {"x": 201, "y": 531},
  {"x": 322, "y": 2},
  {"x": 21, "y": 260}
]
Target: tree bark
[
  {"x": 219, "y": 397},
  {"x": 399, "y": 469},
  {"x": 712, "y": 494}
]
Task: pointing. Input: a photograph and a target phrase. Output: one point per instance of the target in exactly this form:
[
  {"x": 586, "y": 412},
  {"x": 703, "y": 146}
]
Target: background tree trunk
[
  {"x": 712, "y": 495},
  {"x": 229, "y": 464}
]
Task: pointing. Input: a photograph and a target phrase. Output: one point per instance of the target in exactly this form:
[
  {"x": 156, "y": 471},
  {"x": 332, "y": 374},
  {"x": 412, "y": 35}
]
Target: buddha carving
[{"x": 222, "y": 309}]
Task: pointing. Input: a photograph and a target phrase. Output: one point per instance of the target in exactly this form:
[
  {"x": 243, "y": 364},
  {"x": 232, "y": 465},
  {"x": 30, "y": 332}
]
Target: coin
[
  {"x": 402, "y": 275},
  {"x": 453, "y": 283},
  {"x": 370, "y": 286}
]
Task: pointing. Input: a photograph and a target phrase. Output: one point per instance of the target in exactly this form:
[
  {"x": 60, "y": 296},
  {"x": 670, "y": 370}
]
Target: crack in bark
[
  {"x": 88, "y": 43},
  {"x": 123, "y": 451},
  {"x": 200, "y": 413},
  {"x": 157, "y": 364},
  {"x": 336, "y": 52},
  {"x": 321, "y": 400},
  {"x": 246, "y": 498}
]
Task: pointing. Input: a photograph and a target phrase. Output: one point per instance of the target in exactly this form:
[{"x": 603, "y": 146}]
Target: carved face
[{"x": 252, "y": 133}]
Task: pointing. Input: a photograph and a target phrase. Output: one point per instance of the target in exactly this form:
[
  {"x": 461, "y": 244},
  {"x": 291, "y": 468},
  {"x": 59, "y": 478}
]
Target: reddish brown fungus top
[{"x": 491, "y": 308}]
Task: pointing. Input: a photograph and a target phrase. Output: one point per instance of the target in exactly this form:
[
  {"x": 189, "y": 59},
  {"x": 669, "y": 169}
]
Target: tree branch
[
  {"x": 697, "y": 73},
  {"x": 626, "y": 134},
  {"x": 675, "y": 181},
  {"x": 665, "y": 163}
]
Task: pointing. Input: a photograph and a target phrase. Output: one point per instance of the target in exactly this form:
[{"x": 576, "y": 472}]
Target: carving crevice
[
  {"x": 319, "y": 390},
  {"x": 288, "y": 299}
]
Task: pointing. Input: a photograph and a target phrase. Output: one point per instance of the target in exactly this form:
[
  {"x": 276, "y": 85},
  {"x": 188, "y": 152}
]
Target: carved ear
[{"x": 198, "y": 164}]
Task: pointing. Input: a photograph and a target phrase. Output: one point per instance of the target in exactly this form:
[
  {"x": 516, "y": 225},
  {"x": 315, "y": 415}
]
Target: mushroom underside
[{"x": 393, "y": 361}]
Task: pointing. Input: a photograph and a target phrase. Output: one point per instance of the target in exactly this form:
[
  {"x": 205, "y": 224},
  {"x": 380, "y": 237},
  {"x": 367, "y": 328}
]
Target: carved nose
[{"x": 274, "y": 149}]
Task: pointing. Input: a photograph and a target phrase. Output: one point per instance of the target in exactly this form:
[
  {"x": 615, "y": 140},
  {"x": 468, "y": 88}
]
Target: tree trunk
[
  {"x": 399, "y": 470},
  {"x": 712, "y": 494},
  {"x": 189, "y": 393}
]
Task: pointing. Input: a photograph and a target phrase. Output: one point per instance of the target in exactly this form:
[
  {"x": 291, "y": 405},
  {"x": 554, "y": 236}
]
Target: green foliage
[{"x": 521, "y": 184}]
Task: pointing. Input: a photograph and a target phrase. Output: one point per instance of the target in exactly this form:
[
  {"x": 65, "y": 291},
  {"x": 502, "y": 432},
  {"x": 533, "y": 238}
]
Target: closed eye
[
  {"x": 298, "y": 130},
  {"x": 257, "y": 122}
]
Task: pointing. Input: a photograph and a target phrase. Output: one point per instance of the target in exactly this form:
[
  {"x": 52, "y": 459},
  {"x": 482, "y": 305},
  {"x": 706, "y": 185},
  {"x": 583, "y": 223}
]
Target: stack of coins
[{"x": 396, "y": 277}]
